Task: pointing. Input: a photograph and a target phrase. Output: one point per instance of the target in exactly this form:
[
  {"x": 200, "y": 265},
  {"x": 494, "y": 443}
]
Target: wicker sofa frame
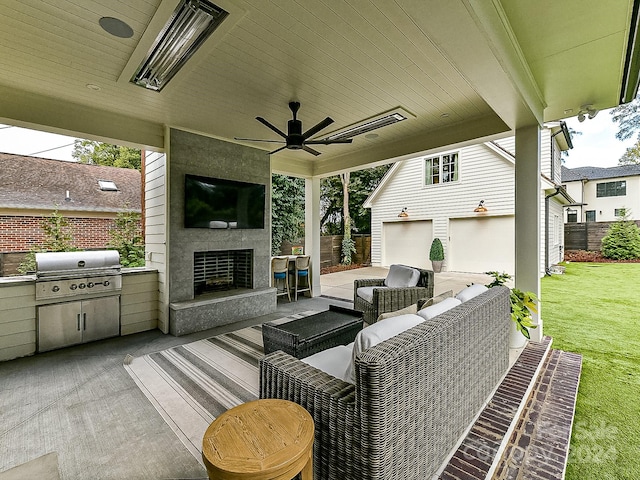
[
  {"x": 414, "y": 394},
  {"x": 391, "y": 299}
]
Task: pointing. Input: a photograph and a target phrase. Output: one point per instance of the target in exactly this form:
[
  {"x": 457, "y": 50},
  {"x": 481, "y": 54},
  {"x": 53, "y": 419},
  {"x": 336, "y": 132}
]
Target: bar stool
[
  {"x": 280, "y": 272},
  {"x": 302, "y": 273}
]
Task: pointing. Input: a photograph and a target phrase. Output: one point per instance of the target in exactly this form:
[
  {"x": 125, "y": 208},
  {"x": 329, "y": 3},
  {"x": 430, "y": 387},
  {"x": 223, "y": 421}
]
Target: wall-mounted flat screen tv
[{"x": 222, "y": 204}]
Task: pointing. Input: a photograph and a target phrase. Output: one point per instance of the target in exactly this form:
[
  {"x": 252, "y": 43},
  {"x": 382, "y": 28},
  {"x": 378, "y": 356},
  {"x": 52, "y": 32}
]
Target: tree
[
  {"x": 105, "y": 154},
  {"x": 622, "y": 241},
  {"x": 126, "y": 237},
  {"x": 287, "y": 210},
  {"x": 58, "y": 238},
  {"x": 627, "y": 117},
  {"x": 361, "y": 184},
  {"x": 631, "y": 156},
  {"x": 348, "y": 245}
]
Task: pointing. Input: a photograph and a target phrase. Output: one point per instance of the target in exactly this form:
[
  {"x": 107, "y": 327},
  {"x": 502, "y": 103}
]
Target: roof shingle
[
  {"x": 597, "y": 173},
  {"x": 40, "y": 183}
]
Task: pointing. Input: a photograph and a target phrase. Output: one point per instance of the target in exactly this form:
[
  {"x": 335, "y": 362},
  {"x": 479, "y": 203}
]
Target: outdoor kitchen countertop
[{"x": 17, "y": 280}]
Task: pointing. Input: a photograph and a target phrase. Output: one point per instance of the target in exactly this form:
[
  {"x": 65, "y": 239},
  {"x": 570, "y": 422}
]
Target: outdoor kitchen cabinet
[{"x": 70, "y": 323}]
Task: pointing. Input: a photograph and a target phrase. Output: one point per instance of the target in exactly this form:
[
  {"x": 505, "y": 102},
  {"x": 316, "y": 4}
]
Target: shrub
[
  {"x": 622, "y": 241},
  {"x": 437, "y": 251}
]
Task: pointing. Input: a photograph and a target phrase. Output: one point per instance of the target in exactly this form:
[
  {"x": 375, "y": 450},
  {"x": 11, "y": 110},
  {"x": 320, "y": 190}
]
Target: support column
[
  {"x": 312, "y": 229},
  {"x": 527, "y": 218}
]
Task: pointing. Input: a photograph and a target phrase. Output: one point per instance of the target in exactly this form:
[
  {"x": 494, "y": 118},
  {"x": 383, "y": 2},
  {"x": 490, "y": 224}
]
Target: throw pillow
[
  {"x": 410, "y": 309},
  {"x": 471, "y": 291},
  {"x": 379, "y": 332},
  {"x": 401, "y": 276},
  {"x": 422, "y": 303},
  {"x": 435, "y": 310}
]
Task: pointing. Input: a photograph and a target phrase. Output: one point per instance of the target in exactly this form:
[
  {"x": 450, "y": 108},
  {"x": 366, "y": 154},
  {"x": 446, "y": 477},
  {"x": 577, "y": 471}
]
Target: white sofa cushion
[
  {"x": 379, "y": 332},
  {"x": 335, "y": 361},
  {"x": 366, "y": 293},
  {"x": 401, "y": 276},
  {"x": 470, "y": 292},
  {"x": 434, "y": 310}
]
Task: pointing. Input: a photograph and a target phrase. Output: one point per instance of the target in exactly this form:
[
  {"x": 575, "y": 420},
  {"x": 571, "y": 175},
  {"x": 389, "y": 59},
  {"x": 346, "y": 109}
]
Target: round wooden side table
[{"x": 266, "y": 439}]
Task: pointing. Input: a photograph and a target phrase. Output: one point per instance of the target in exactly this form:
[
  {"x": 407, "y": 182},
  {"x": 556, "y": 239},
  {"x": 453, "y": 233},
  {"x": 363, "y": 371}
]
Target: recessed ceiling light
[
  {"x": 93, "y": 86},
  {"x": 568, "y": 111},
  {"x": 444, "y": 115},
  {"x": 371, "y": 136},
  {"x": 116, "y": 27}
]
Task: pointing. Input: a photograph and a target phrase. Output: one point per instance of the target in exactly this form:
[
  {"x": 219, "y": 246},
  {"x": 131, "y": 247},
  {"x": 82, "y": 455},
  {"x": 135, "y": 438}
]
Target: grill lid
[{"x": 56, "y": 262}]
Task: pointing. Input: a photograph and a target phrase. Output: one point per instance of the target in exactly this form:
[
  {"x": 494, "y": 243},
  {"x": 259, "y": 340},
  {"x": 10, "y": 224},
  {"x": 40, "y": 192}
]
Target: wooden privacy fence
[
  {"x": 331, "y": 248},
  {"x": 587, "y": 235}
]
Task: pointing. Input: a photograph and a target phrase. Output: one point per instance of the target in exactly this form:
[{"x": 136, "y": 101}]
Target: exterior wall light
[
  {"x": 403, "y": 213},
  {"x": 481, "y": 208}
]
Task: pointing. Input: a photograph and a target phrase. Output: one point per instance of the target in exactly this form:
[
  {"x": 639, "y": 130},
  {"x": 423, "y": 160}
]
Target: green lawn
[{"x": 594, "y": 310}]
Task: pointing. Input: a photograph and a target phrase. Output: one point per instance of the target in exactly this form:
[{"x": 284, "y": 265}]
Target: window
[
  {"x": 620, "y": 212},
  {"x": 442, "y": 169},
  {"x": 590, "y": 215},
  {"x": 107, "y": 186},
  {"x": 611, "y": 189},
  {"x": 572, "y": 215}
]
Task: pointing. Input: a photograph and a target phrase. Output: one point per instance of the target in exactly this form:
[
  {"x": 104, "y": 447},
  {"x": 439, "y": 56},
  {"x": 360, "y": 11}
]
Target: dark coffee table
[{"x": 308, "y": 335}]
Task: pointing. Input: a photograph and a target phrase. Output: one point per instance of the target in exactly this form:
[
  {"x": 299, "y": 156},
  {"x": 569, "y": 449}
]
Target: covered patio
[
  {"x": 456, "y": 72},
  {"x": 450, "y": 73}
]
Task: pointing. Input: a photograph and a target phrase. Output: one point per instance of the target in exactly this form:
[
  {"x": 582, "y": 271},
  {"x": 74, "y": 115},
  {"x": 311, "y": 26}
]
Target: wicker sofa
[
  {"x": 386, "y": 299},
  {"x": 414, "y": 394}
]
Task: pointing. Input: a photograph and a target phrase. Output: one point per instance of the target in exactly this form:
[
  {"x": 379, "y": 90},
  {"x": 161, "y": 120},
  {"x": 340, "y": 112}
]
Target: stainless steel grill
[
  {"x": 78, "y": 297},
  {"x": 62, "y": 275}
]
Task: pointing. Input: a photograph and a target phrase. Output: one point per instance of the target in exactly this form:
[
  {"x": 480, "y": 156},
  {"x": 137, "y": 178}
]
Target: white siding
[
  {"x": 484, "y": 175},
  {"x": 17, "y": 320},
  {"x": 155, "y": 229}
]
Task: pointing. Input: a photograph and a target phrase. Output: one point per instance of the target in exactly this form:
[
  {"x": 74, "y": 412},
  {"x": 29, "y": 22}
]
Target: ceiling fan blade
[
  {"x": 328, "y": 142},
  {"x": 310, "y": 150},
  {"x": 267, "y": 124},
  {"x": 320, "y": 126},
  {"x": 257, "y": 140},
  {"x": 277, "y": 150}
]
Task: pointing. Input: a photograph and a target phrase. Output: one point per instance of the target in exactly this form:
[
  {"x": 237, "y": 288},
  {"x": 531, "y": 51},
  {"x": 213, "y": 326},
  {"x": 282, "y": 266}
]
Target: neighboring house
[
  {"x": 602, "y": 194},
  {"x": 89, "y": 196},
  {"x": 441, "y": 193}
]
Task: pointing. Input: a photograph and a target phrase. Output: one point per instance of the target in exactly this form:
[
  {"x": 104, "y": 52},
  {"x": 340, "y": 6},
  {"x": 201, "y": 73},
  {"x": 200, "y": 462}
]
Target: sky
[{"x": 596, "y": 147}]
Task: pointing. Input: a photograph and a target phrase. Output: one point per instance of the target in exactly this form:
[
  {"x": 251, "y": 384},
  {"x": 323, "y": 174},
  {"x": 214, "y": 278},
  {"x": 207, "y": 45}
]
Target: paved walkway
[{"x": 340, "y": 284}]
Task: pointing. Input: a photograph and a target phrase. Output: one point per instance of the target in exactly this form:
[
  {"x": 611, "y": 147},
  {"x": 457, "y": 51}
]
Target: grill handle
[
  {"x": 84, "y": 321},
  {"x": 78, "y": 322}
]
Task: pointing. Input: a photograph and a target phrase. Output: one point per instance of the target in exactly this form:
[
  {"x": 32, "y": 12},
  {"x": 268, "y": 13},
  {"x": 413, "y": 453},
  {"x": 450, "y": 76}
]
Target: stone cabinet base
[{"x": 212, "y": 311}]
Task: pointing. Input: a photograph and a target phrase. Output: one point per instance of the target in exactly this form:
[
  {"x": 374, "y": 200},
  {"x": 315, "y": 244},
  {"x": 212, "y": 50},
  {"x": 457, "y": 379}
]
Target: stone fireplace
[
  {"x": 222, "y": 270},
  {"x": 215, "y": 276}
]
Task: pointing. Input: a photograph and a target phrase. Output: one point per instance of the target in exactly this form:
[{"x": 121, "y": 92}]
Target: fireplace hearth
[{"x": 222, "y": 270}]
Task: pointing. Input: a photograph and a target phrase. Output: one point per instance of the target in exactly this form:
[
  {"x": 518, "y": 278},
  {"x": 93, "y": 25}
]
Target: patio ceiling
[{"x": 463, "y": 69}]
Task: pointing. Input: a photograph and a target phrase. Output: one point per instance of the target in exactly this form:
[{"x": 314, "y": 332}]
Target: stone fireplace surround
[{"x": 190, "y": 153}]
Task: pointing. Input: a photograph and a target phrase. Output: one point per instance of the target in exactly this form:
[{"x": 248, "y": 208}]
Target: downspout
[{"x": 546, "y": 229}]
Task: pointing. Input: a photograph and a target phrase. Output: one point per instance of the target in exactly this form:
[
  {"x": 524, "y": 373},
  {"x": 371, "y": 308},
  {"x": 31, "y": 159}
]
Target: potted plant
[
  {"x": 436, "y": 255},
  {"x": 523, "y": 306}
]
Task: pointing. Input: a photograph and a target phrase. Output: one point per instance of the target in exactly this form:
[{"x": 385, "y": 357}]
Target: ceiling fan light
[{"x": 190, "y": 25}]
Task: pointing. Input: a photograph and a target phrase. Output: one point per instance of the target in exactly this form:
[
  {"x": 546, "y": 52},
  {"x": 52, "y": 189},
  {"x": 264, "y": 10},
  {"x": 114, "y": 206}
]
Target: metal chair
[
  {"x": 302, "y": 272},
  {"x": 280, "y": 272}
]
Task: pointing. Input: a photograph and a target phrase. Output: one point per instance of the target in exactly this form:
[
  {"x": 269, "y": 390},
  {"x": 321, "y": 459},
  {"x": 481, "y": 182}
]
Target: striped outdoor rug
[{"x": 190, "y": 385}]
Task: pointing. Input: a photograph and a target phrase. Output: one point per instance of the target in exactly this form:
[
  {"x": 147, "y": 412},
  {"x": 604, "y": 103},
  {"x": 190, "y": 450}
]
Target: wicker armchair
[
  {"x": 414, "y": 394},
  {"x": 387, "y": 299}
]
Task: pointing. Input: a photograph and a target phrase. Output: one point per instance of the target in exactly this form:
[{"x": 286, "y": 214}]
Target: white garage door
[
  {"x": 481, "y": 244},
  {"x": 407, "y": 243}
]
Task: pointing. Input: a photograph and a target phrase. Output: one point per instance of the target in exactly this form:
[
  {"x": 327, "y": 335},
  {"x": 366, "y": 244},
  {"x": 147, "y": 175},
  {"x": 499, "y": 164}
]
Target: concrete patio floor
[
  {"x": 340, "y": 284},
  {"x": 79, "y": 403}
]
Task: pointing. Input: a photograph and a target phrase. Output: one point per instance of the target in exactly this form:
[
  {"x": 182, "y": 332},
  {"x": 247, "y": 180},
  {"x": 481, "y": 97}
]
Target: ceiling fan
[{"x": 294, "y": 138}]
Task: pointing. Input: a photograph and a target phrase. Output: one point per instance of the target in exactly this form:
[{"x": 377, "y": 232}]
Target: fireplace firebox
[{"x": 222, "y": 270}]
